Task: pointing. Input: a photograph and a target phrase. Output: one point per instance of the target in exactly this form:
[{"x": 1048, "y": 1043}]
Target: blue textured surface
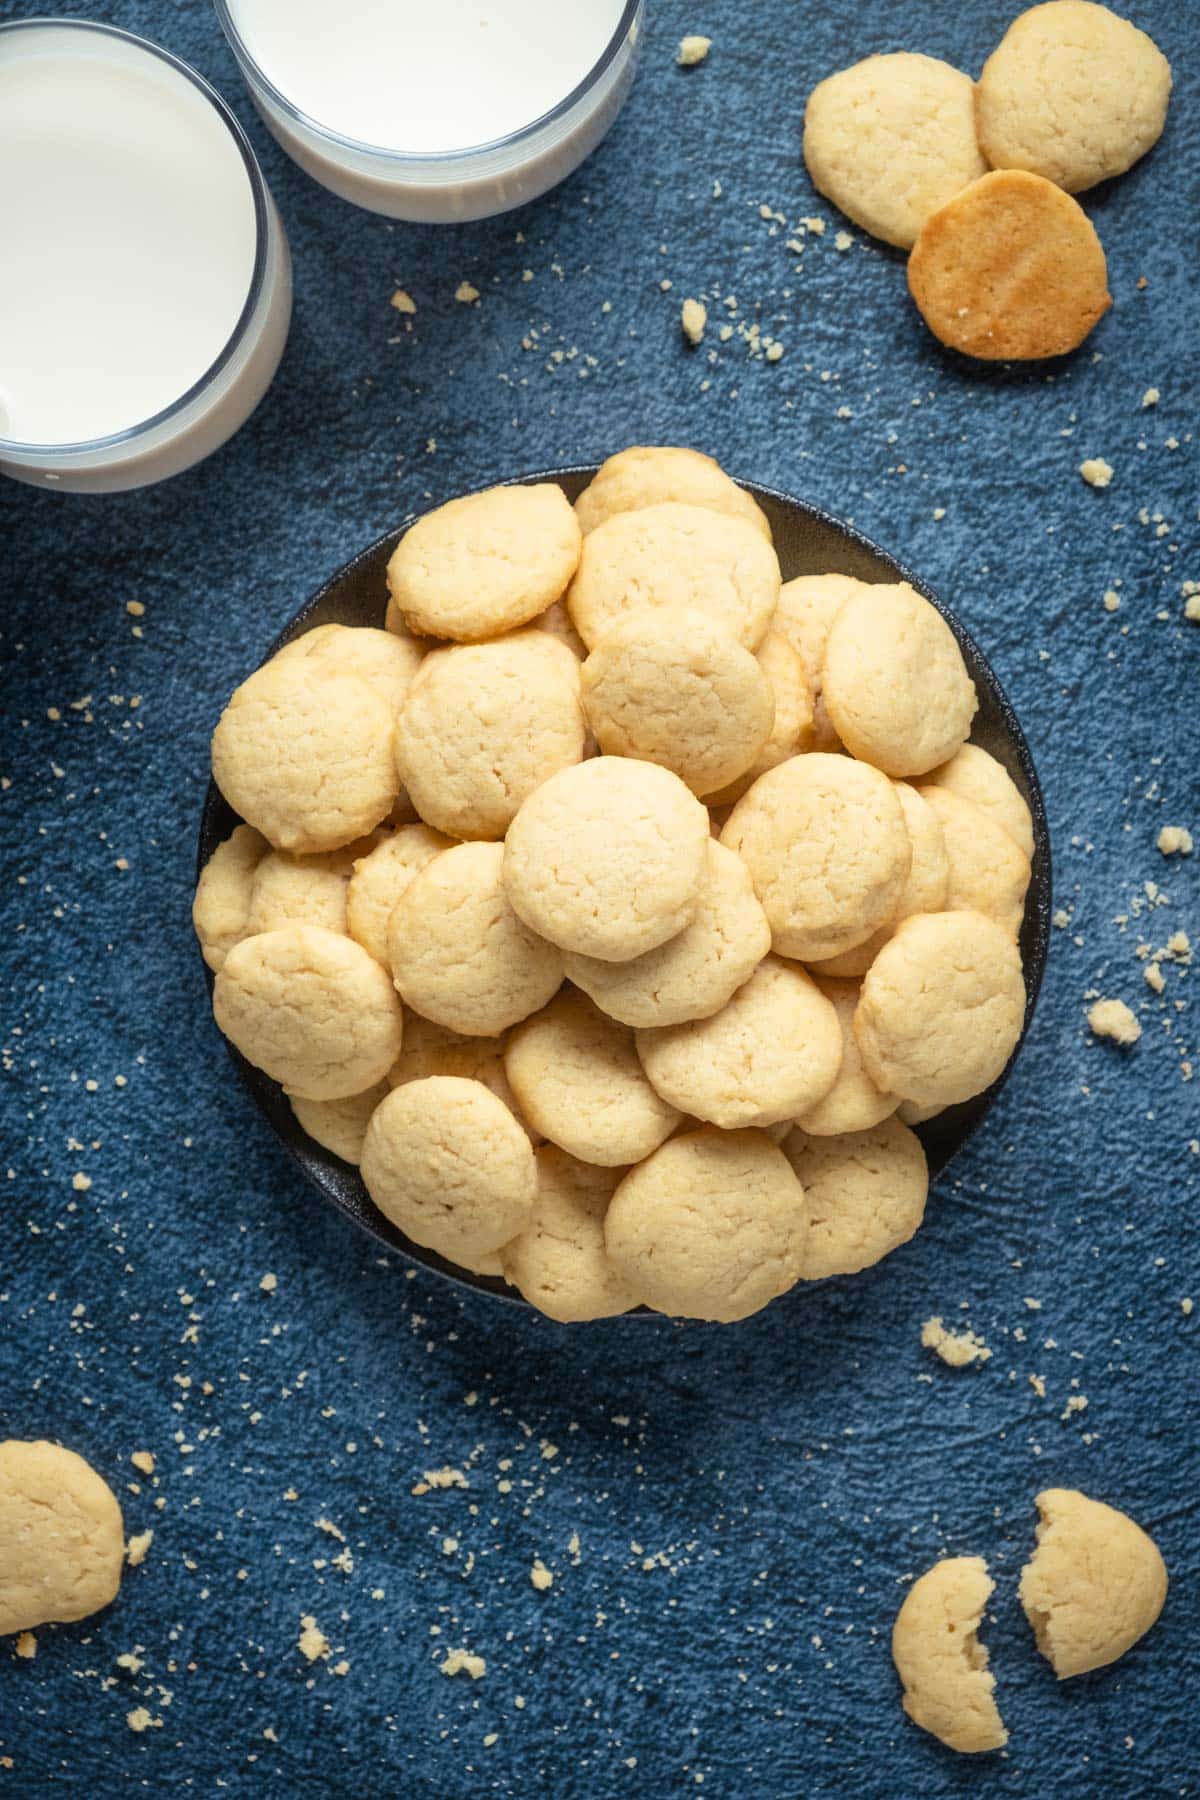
[{"x": 748, "y": 1503}]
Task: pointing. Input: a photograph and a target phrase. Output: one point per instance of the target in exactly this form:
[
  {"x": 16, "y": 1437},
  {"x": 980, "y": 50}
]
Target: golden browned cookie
[{"x": 1010, "y": 268}]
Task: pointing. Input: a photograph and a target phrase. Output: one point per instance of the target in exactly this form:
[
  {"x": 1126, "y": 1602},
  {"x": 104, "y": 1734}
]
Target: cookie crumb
[
  {"x": 81, "y": 1182},
  {"x": 269, "y": 1283},
  {"x": 143, "y": 1460},
  {"x": 403, "y": 302},
  {"x": 1096, "y": 472},
  {"x": 1112, "y": 600},
  {"x": 137, "y": 1547},
  {"x": 842, "y": 241},
  {"x": 1038, "y": 1384},
  {"x": 693, "y": 319},
  {"x": 541, "y": 1576},
  {"x": 466, "y": 294},
  {"x": 463, "y": 1662},
  {"x": 26, "y": 1645},
  {"x": 141, "y": 1720},
  {"x": 312, "y": 1643},
  {"x": 692, "y": 50},
  {"x": 1175, "y": 840},
  {"x": 1185, "y": 1306},
  {"x": 1113, "y": 1019},
  {"x": 1154, "y": 977},
  {"x": 956, "y": 1348},
  {"x": 1151, "y": 397}
]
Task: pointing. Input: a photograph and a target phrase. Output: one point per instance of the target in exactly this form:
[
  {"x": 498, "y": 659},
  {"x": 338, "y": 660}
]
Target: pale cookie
[
  {"x": 486, "y": 724},
  {"x": 340, "y": 1125},
  {"x": 306, "y": 756},
  {"x": 769, "y": 1054},
  {"x": 302, "y": 890},
  {"x": 826, "y": 846},
  {"x": 62, "y": 1542},
  {"x": 948, "y": 1688},
  {"x": 866, "y": 1194},
  {"x": 447, "y": 1163},
  {"x": 853, "y": 1103},
  {"x": 578, "y": 1081},
  {"x": 379, "y": 879},
  {"x": 311, "y": 1009},
  {"x": 1010, "y": 268},
  {"x": 383, "y": 659},
  {"x": 1095, "y": 1584},
  {"x": 485, "y": 563},
  {"x": 895, "y": 683},
  {"x": 560, "y": 1262},
  {"x": 556, "y": 623},
  {"x": 458, "y": 952},
  {"x": 676, "y": 688},
  {"x": 222, "y": 902},
  {"x": 988, "y": 874},
  {"x": 674, "y": 556},
  {"x": 648, "y": 475},
  {"x": 975, "y": 775},
  {"x": 807, "y": 608},
  {"x": 430, "y": 1049},
  {"x": 941, "y": 1008},
  {"x": 711, "y": 1226},
  {"x": 924, "y": 891},
  {"x": 912, "y": 1114},
  {"x": 694, "y": 973},
  {"x": 608, "y": 858},
  {"x": 1072, "y": 92},
  {"x": 892, "y": 139},
  {"x": 793, "y": 730}
]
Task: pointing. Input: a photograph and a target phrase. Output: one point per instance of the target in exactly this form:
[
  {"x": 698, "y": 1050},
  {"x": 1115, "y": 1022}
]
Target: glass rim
[
  {"x": 391, "y": 153},
  {"x": 258, "y": 194}
]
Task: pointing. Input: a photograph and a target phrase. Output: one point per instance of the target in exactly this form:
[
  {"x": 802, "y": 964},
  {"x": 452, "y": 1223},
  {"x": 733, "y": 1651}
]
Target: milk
[
  {"x": 132, "y": 221},
  {"x": 436, "y": 108}
]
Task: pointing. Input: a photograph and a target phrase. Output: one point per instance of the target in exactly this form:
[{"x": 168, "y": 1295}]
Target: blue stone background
[{"x": 748, "y": 1503}]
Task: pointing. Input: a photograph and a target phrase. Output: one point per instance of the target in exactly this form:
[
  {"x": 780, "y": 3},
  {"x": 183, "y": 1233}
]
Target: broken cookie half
[
  {"x": 948, "y": 1688},
  {"x": 1095, "y": 1584}
]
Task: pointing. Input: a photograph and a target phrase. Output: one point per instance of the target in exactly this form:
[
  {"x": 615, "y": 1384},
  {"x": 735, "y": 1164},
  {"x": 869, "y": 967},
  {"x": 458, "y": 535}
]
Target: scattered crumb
[
  {"x": 1113, "y": 1019},
  {"x": 1038, "y": 1384},
  {"x": 26, "y": 1645},
  {"x": 462, "y": 1662},
  {"x": 143, "y": 1460},
  {"x": 693, "y": 319},
  {"x": 81, "y": 1182},
  {"x": 1175, "y": 840},
  {"x": 130, "y": 1662},
  {"x": 842, "y": 241},
  {"x": 1154, "y": 977},
  {"x": 956, "y": 1348},
  {"x": 1191, "y": 609},
  {"x": 774, "y": 351},
  {"x": 403, "y": 302},
  {"x": 269, "y": 1283},
  {"x": 816, "y": 226},
  {"x": 1096, "y": 472},
  {"x": 441, "y": 1478},
  {"x": 1112, "y": 600},
  {"x": 692, "y": 50},
  {"x": 137, "y": 1547},
  {"x": 541, "y": 1576},
  {"x": 1185, "y": 1306},
  {"x": 465, "y": 293},
  {"x": 1150, "y": 397},
  {"x": 140, "y": 1720},
  {"x": 312, "y": 1643}
]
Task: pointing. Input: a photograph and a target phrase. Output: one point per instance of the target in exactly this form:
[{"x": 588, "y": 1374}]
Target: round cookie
[
  {"x": 559, "y": 1261},
  {"x": 385, "y": 660},
  {"x": 895, "y": 683},
  {"x": 697, "y": 971},
  {"x": 711, "y": 1226},
  {"x": 1095, "y": 1584},
  {"x": 792, "y": 730},
  {"x": 1073, "y": 93},
  {"x": 988, "y": 874},
  {"x": 674, "y": 556},
  {"x": 892, "y": 139},
  {"x": 941, "y": 1008},
  {"x": 62, "y": 1541},
  {"x": 311, "y": 1009},
  {"x": 608, "y": 858},
  {"x": 556, "y": 623},
  {"x": 306, "y": 757},
  {"x": 768, "y": 1055},
  {"x": 447, "y": 1163},
  {"x": 484, "y": 725},
  {"x": 578, "y": 1081},
  {"x": 379, "y": 879},
  {"x": 807, "y": 608},
  {"x": 853, "y": 1103},
  {"x": 948, "y": 1688},
  {"x": 339, "y": 1125},
  {"x": 458, "y": 952},
  {"x": 1010, "y": 268},
  {"x": 924, "y": 891},
  {"x": 300, "y": 890},
  {"x": 866, "y": 1193},
  {"x": 485, "y": 563},
  {"x": 676, "y": 688},
  {"x": 648, "y": 475},
  {"x": 222, "y": 902},
  {"x": 975, "y": 775},
  {"x": 430, "y": 1049},
  {"x": 826, "y": 846}
]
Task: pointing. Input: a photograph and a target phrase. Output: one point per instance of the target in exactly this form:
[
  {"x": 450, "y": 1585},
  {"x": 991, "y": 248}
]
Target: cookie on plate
[
  {"x": 892, "y": 139},
  {"x": 1011, "y": 268},
  {"x": 222, "y": 903},
  {"x": 793, "y": 730},
  {"x": 866, "y": 1193},
  {"x": 1072, "y": 92},
  {"x": 807, "y": 608},
  {"x": 976, "y": 775},
  {"x": 987, "y": 873},
  {"x": 385, "y": 660},
  {"x": 648, "y": 475},
  {"x": 339, "y": 1125},
  {"x": 559, "y": 1261},
  {"x": 924, "y": 891},
  {"x": 853, "y": 1103},
  {"x": 380, "y": 876},
  {"x": 485, "y": 563}
]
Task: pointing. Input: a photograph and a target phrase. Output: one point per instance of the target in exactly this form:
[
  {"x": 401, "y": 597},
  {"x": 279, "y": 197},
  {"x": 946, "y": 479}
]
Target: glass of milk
[
  {"x": 436, "y": 109},
  {"x": 145, "y": 281}
]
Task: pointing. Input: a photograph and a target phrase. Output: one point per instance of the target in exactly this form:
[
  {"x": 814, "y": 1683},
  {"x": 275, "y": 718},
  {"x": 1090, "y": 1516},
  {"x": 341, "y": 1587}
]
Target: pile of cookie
[
  {"x": 618, "y": 907},
  {"x": 976, "y": 179}
]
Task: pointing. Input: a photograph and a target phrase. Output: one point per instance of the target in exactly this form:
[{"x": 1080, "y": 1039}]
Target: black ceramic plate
[{"x": 809, "y": 542}]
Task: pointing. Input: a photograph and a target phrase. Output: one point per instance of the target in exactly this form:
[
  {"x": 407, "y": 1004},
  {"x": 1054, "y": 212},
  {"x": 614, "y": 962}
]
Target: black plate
[{"x": 809, "y": 542}]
